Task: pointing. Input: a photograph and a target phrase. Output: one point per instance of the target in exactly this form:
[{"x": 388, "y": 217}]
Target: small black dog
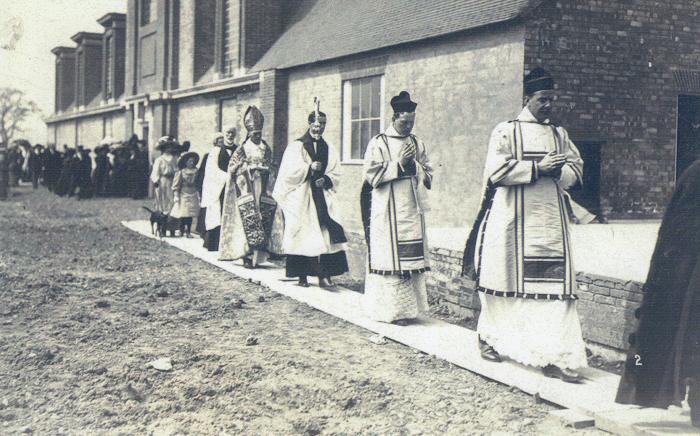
[{"x": 159, "y": 222}]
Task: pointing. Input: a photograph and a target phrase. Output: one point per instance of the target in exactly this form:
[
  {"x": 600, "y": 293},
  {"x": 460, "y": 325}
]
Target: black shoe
[
  {"x": 247, "y": 263},
  {"x": 326, "y": 283},
  {"x": 403, "y": 322},
  {"x": 488, "y": 353},
  {"x": 303, "y": 282},
  {"x": 565, "y": 375}
]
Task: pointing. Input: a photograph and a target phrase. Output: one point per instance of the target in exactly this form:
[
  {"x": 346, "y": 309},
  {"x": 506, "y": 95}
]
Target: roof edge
[
  {"x": 107, "y": 19},
  {"x": 81, "y": 36},
  {"x": 61, "y": 49},
  {"x": 533, "y": 5}
]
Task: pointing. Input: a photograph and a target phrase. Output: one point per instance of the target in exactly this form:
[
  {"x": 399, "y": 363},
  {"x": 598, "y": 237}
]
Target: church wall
[
  {"x": 621, "y": 66},
  {"x": 90, "y": 131},
  {"x": 199, "y": 117},
  {"x": 65, "y": 134},
  {"x": 197, "y": 121},
  {"x": 464, "y": 86}
]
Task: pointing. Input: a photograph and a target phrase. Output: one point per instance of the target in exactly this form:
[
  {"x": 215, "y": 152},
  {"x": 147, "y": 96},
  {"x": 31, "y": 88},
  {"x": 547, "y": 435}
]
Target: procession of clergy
[{"x": 518, "y": 252}]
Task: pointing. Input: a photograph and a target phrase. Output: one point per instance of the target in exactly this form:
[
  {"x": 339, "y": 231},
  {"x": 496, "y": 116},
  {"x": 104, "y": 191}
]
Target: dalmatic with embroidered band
[
  {"x": 398, "y": 249},
  {"x": 523, "y": 247}
]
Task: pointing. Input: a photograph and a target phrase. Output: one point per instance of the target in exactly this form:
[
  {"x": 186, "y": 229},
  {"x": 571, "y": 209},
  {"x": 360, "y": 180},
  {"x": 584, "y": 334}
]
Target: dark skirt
[
  {"x": 325, "y": 265},
  {"x": 64, "y": 182},
  {"x": 201, "y": 228},
  {"x": 211, "y": 239}
]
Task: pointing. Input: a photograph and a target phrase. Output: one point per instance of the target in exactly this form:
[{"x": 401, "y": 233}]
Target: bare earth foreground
[{"x": 85, "y": 304}]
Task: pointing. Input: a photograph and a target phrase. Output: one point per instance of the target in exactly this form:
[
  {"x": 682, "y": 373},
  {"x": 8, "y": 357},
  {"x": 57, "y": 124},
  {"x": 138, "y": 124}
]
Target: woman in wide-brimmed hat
[
  {"x": 164, "y": 169},
  {"x": 185, "y": 192}
]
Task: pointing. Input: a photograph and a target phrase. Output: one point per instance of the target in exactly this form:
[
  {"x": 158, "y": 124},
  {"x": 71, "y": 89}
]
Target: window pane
[
  {"x": 364, "y": 137},
  {"x": 355, "y": 141},
  {"x": 108, "y": 67},
  {"x": 148, "y": 11},
  {"x": 355, "y": 99},
  {"x": 365, "y": 98},
  {"x": 226, "y": 39},
  {"x": 145, "y": 12},
  {"x": 376, "y": 96},
  {"x": 374, "y": 129}
]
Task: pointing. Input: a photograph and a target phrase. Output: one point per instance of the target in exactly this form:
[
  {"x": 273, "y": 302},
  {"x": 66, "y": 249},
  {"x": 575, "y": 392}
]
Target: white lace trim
[{"x": 533, "y": 332}]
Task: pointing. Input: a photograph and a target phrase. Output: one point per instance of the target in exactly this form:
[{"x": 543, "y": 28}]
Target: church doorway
[{"x": 688, "y": 139}]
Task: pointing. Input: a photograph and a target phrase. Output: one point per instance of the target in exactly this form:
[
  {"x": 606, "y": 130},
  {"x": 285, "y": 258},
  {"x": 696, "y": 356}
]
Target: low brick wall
[{"x": 606, "y": 305}]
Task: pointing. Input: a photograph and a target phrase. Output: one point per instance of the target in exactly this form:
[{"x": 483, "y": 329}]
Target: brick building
[{"x": 628, "y": 74}]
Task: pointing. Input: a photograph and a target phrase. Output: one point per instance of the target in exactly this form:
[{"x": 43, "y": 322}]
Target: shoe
[
  {"x": 488, "y": 353},
  {"x": 326, "y": 283},
  {"x": 247, "y": 263},
  {"x": 303, "y": 282},
  {"x": 403, "y": 322},
  {"x": 565, "y": 375}
]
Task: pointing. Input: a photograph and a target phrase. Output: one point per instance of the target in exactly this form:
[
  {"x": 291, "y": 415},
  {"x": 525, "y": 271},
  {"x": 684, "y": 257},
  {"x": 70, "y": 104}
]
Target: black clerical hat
[
  {"x": 403, "y": 103},
  {"x": 538, "y": 80}
]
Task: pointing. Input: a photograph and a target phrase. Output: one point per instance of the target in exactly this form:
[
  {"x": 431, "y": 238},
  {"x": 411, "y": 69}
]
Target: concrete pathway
[{"x": 458, "y": 346}]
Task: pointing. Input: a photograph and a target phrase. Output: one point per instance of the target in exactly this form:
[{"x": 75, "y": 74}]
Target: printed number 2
[{"x": 637, "y": 360}]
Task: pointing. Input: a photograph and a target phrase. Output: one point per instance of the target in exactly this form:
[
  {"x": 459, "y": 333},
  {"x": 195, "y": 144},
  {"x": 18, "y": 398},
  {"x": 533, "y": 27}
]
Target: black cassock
[
  {"x": 199, "y": 182},
  {"x": 325, "y": 265},
  {"x": 211, "y": 237},
  {"x": 665, "y": 350}
]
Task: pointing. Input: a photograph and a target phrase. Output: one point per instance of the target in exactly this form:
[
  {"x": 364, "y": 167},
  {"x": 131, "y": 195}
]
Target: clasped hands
[
  {"x": 316, "y": 167},
  {"x": 406, "y": 154},
  {"x": 551, "y": 164}
]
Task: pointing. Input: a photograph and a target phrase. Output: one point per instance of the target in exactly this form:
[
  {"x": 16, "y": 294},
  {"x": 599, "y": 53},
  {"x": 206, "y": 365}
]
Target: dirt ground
[{"x": 86, "y": 304}]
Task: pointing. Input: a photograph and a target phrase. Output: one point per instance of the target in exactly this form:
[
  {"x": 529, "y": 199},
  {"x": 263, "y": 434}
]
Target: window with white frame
[
  {"x": 108, "y": 67},
  {"x": 227, "y": 40},
  {"x": 363, "y": 115}
]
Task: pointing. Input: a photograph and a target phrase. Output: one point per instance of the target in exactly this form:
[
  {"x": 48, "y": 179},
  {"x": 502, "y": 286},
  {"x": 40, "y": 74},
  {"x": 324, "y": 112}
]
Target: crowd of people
[
  {"x": 518, "y": 253},
  {"x": 111, "y": 169}
]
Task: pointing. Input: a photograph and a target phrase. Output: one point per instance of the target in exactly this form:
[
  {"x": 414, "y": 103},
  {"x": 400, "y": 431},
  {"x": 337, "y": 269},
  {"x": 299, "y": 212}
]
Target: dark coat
[
  {"x": 82, "y": 180},
  {"x": 65, "y": 179},
  {"x": 665, "y": 350},
  {"x": 35, "y": 163},
  {"x": 100, "y": 175},
  {"x": 137, "y": 172}
]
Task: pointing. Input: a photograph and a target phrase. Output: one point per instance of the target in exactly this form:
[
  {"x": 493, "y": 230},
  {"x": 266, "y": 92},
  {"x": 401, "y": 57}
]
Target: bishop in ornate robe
[
  {"x": 249, "y": 209},
  {"x": 397, "y": 169},
  {"x": 314, "y": 241},
  {"x": 519, "y": 250}
]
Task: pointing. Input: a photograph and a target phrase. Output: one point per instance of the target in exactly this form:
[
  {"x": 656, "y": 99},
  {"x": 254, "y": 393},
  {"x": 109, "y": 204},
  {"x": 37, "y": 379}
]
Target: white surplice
[
  {"x": 303, "y": 234},
  {"x": 212, "y": 186}
]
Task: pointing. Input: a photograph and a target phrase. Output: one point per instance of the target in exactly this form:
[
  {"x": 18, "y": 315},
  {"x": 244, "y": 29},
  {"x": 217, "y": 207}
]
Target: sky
[{"x": 26, "y": 63}]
